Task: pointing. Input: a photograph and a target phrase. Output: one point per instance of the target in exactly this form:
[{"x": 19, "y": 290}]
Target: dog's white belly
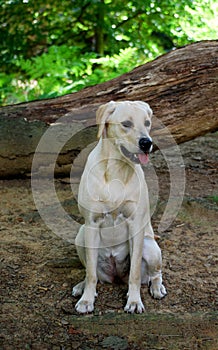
[
  {"x": 113, "y": 255},
  {"x": 113, "y": 262}
]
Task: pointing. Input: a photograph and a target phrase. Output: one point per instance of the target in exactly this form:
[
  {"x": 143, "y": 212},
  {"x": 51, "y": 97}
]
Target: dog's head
[{"x": 127, "y": 124}]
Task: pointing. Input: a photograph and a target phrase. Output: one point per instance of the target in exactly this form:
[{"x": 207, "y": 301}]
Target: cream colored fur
[{"x": 117, "y": 239}]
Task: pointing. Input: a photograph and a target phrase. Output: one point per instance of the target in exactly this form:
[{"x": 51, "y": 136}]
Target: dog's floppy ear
[{"x": 102, "y": 116}]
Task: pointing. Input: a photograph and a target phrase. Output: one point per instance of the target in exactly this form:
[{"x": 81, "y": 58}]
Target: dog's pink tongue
[{"x": 143, "y": 158}]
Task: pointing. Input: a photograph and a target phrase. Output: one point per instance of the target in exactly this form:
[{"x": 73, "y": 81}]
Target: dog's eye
[
  {"x": 147, "y": 123},
  {"x": 127, "y": 124}
]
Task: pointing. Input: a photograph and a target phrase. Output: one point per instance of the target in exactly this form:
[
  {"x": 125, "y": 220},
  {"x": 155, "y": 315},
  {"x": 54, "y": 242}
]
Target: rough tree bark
[{"x": 180, "y": 86}]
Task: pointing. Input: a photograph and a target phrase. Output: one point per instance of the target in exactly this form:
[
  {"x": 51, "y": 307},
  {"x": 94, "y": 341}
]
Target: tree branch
[{"x": 180, "y": 86}]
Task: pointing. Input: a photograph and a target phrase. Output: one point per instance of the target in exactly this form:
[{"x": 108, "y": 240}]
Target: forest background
[{"x": 51, "y": 48}]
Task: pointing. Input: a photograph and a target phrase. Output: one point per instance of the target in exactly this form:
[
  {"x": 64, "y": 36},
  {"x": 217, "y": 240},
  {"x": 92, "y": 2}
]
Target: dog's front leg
[
  {"x": 86, "y": 303},
  {"x": 134, "y": 302}
]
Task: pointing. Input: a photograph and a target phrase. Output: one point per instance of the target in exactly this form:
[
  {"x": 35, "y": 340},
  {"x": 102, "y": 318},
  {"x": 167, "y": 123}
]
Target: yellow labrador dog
[{"x": 117, "y": 239}]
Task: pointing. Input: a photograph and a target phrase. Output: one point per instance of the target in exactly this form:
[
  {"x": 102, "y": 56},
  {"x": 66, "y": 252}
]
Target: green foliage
[
  {"x": 52, "y": 47},
  {"x": 214, "y": 199},
  {"x": 63, "y": 70},
  {"x": 58, "y": 70}
]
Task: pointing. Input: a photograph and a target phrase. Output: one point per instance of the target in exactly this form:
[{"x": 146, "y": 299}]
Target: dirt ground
[{"x": 38, "y": 270}]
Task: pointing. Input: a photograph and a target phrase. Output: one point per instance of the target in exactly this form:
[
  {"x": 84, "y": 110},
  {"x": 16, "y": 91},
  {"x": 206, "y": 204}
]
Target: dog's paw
[
  {"x": 158, "y": 292},
  {"x": 84, "y": 306},
  {"x": 134, "y": 306},
  {"x": 78, "y": 289}
]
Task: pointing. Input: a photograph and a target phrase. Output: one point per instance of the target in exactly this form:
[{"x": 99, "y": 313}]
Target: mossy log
[{"x": 180, "y": 86}]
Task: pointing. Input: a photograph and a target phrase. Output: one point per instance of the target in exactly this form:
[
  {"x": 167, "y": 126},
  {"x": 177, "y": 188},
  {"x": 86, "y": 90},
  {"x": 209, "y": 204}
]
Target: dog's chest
[
  {"x": 114, "y": 229},
  {"x": 113, "y": 193},
  {"x": 112, "y": 218},
  {"x": 112, "y": 196}
]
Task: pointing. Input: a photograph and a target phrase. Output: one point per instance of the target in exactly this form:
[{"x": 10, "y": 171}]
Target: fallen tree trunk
[{"x": 180, "y": 86}]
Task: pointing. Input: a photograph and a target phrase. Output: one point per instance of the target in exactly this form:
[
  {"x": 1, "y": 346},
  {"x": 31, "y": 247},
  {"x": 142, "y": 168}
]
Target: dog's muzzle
[{"x": 145, "y": 145}]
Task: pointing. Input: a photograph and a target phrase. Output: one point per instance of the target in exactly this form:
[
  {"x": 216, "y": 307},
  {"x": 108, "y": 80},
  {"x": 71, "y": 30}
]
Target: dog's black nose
[{"x": 145, "y": 144}]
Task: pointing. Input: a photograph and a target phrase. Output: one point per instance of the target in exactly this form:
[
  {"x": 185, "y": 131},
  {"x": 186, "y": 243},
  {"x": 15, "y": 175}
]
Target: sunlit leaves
[
  {"x": 63, "y": 70},
  {"x": 53, "y": 47}
]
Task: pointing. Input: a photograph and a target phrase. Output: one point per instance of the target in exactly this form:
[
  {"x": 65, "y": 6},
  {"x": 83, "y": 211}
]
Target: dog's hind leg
[
  {"x": 78, "y": 289},
  {"x": 151, "y": 268},
  {"x": 80, "y": 245}
]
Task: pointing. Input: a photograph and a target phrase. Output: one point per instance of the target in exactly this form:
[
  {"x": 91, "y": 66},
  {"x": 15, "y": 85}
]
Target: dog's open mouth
[{"x": 138, "y": 158}]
